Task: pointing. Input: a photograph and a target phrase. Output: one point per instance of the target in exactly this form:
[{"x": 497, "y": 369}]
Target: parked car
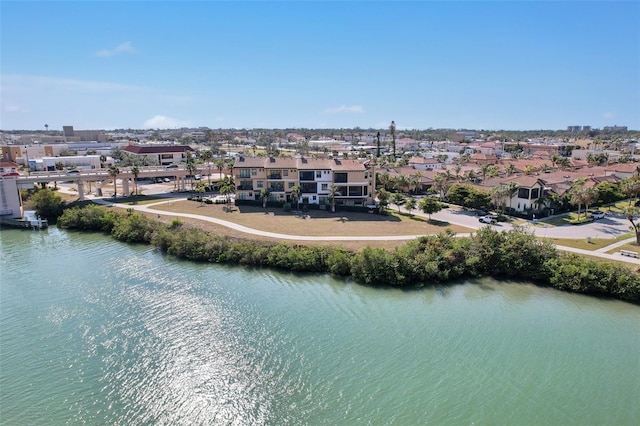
[
  {"x": 172, "y": 166},
  {"x": 481, "y": 212},
  {"x": 11, "y": 174},
  {"x": 488, "y": 219},
  {"x": 597, "y": 215},
  {"x": 73, "y": 172}
]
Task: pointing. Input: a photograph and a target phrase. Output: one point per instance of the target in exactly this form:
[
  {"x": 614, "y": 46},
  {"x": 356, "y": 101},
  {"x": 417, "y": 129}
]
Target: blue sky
[{"x": 478, "y": 65}]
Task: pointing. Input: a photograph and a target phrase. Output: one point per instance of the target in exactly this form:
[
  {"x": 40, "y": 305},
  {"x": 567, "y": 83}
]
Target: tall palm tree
[
  {"x": 227, "y": 188},
  {"x": 630, "y": 212},
  {"x": 295, "y": 194},
  {"x": 191, "y": 169},
  {"x": 206, "y": 156},
  {"x": 264, "y": 196},
  {"x": 511, "y": 190},
  {"x": 114, "y": 171},
  {"x": 333, "y": 193},
  {"x": 392, "y": 130},
  {"x": 484, "y": 170},
  {"x": 136, "y": 172}
]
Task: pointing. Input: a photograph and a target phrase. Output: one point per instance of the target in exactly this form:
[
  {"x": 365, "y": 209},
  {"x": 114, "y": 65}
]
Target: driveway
[{"x": 610, "y": 227}]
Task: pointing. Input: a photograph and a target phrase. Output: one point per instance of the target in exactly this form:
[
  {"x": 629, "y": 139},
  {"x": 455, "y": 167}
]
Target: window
[
  {"x": 535, "y": 193},
  {"x": 318, "y": 174},
  {"x": 260, "y": 184},
  {"x": 244, "y": 173},
  {"x": 285, "y": 173},
  {"x": 254, "y": 172},
  {"x": 523, "y": 193},
  {"x": 306, "y": 175},
  {"x": 325, "y": 186},
  {"x": 340, "y": 178},
  {"x": 291, "y": 184}
]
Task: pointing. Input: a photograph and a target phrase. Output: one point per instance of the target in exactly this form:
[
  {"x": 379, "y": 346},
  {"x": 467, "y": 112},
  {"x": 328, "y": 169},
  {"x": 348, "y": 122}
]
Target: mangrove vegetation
[{"x": 428, "y": 260}]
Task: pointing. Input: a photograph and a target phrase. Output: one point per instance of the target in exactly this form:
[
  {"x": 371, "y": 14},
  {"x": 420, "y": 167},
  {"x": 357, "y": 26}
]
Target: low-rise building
[
  {"x": 354, "y": 181},
  {"x": 162, "y": 155}
]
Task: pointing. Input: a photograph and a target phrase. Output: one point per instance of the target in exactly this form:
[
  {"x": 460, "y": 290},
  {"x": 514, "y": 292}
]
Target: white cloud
[
  {"x": 126, "y": 47},
  {"x": 609, "y": 115},
  {"x": 344, "y": 109},
  {"x": 15, "y": 108},
  {"x": 164, "y": 122}
]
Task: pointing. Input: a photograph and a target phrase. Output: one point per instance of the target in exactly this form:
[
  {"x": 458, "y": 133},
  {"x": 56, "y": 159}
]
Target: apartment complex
[{"x": 353, "y": 180}]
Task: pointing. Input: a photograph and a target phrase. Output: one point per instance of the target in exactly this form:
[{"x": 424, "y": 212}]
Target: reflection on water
[{"x": 115, "y": 334}]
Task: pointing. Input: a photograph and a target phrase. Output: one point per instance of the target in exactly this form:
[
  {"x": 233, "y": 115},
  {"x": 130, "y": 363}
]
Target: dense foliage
[
  {"x": 46, "y": 203},
  {"x": 423, "y": 261}
]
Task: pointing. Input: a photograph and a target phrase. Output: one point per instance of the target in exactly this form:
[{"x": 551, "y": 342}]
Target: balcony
[{"x": 276, "y": 186}]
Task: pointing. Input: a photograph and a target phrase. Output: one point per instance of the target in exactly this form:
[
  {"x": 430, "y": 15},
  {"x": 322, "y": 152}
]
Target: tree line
[{"x": 425, "y": 261}]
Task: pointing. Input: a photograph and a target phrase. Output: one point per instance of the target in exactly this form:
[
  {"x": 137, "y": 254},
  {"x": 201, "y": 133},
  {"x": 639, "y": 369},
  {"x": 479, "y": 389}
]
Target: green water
[{"x": 98, "y": 332}]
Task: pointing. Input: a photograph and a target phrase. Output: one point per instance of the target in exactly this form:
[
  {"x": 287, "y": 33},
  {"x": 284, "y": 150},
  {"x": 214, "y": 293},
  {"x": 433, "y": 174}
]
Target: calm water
[{"x": 98, "y": 332}]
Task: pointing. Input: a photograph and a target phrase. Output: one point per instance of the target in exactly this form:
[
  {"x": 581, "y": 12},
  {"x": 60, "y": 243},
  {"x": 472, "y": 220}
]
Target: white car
[
  {"x": 488, "y": 219},
  {"x": 597, "y": 215}
]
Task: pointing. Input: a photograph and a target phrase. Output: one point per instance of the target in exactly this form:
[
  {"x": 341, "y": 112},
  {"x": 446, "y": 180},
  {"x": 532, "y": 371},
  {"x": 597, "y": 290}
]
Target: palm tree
[
  {"x": 410, "y": 204},
  {"x": 220, "y": 165},
  {"x": 206, "y": 156},
  {"x": 191, "y": 169},
  {"x": 577, "y": 194},
  {"x": 333, "y": 193},
  {"x": 295, "y": 194},
  {"x": 392, "y": 130},
  {"x": 383, "y": 199},
  {"x": 227, "y": 188},
  {"x": 114, "y": 171},
  {"x": 498, "y": 197},
  {"x": 484, "y": 170},
  {"x": 264, "y": 196},
  {"x": 414, "y": 181},
  {"x": 397, "y": 198},
  {"x": 510, "y": 169},
  {"x": 631, "y": 187},
  {"x": 441, "y": 184},
  {"x": 136, "y": 172},
  {"x": 510, "y": 191},
  {"x": 457, "y": 169},
  {"x": 630, "y": 212},
  {"x": 591, "y": 196}
]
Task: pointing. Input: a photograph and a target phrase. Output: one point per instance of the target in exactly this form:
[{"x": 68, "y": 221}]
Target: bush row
[{"x": 515, "y": 254}]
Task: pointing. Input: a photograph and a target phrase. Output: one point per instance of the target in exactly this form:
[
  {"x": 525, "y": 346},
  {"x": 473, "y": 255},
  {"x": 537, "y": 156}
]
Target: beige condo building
[{"x": 354, "y": 180}]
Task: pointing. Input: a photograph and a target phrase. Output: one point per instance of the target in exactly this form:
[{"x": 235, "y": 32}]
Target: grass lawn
[
  {"x": 312, "y": 223},
  {"x": 566, "y": 219},
  {"x": 633, "y": 246},
  {"x": 581, "y": 243}
]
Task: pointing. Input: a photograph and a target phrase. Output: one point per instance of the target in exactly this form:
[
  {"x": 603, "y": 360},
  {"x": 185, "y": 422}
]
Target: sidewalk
[{"x": 148, "y": 208}]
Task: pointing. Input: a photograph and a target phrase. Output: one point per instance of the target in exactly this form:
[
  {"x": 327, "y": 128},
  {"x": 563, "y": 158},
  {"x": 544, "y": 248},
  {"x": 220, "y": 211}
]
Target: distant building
[
  {"x": 614, "y": 129},
  {"x": 72, "y": 135},
  {"x": 577, "y": 129},
  {"x": 161, "y": 155},
  {"x": 464, "y": 136}
]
